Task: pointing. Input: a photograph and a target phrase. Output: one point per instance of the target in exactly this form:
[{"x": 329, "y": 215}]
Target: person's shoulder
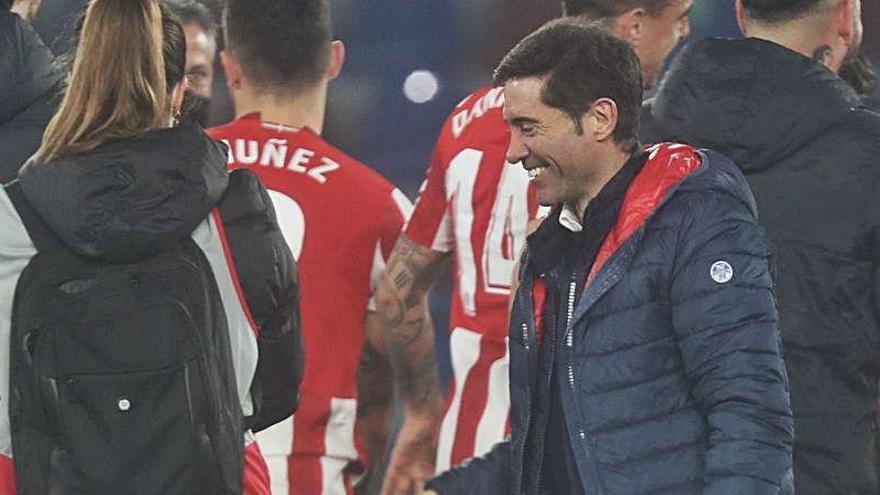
[
  {"x": 862, "y": 126},
  {"x": 478, "y": 118},
  {"x": 716, "y": 187},
  {"x": 366, "y": 185},
  {"x": 225, "y": 131}
]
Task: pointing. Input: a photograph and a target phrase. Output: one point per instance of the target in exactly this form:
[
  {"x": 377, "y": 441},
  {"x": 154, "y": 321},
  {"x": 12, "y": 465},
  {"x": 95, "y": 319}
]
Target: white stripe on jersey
[
  {"x": 403, "y": 204},
  {"x": 339, "y": 438},
  {"x": 279, "y": 473},
  {"x": 464, "y": 346},
  {"x": 376, "y": 274},
  {"x": 333, "y": 475},
  {"x": 493, "y": 424},
  {"x": 444, "y": 239},
  {"x": 277, "y": 440},
  {"x": 338, "y": 445}
]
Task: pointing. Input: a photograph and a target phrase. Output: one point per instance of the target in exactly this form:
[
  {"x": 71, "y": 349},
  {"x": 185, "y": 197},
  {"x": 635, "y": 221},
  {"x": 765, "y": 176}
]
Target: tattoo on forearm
[
  {"x": 375, "y": 381},
  {"x": 408, "y": 332}
]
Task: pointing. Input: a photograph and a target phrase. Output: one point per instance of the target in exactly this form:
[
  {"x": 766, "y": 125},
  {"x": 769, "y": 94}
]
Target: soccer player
[
  {"x": 475, "y": 210},
  {"x": 340, "y": 219}
]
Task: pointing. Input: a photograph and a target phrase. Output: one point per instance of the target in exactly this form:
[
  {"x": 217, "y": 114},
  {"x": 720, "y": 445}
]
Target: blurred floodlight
[{"x": 421, "y": 86}]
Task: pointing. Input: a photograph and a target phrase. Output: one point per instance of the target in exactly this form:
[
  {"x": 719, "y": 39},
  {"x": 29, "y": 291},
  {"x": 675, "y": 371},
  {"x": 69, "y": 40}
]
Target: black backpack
[{"x": 121, "y": 377}]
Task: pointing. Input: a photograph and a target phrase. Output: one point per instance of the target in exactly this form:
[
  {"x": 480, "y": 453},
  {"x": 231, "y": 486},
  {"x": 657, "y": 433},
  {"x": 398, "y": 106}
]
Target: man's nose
[{"x": 517, "y": 151}]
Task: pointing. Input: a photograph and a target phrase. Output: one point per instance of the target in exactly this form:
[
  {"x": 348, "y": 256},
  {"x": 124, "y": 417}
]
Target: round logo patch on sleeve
[{"x": 721, "y": 272}]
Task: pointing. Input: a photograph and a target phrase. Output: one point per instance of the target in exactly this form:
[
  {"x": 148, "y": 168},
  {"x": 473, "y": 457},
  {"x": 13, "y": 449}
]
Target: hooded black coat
[
  {"x": 132, "y": 198},
  {"x": 811, "y": 154}
]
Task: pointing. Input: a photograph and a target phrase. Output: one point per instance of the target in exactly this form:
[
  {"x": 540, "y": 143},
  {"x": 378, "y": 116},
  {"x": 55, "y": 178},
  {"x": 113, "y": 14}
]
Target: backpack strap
[{"x": 43, "y": 237}]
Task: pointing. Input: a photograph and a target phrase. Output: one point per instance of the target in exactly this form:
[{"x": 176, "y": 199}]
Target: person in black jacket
[
  {"x": 811, "y": 154},
  {"x": 29, "y": 86},
  {"x": 643, "y": 340},
  {"x": 117, "y": 181}
]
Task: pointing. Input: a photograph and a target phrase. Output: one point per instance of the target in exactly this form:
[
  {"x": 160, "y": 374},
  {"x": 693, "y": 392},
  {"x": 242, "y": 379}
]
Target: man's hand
[{"x": 413, "y": 459}]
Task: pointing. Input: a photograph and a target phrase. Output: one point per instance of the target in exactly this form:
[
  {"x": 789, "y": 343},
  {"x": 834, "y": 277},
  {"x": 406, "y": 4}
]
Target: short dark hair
[
  {"x": 776, "y": 11},
  {"x": 604, "y": 9},
  {"x": 280, "y": 42},
  {"x": 580, "y": 64},
  {"x": 192, "y": 12}
]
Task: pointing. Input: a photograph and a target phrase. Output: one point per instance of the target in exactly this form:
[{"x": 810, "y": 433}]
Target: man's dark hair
[
  {"x": 580, "y": 65},
  {"x": 604, "y": 9},
  {"x": 6, "y": 4},
  {"x": 192, "y": 12},
  {"x": 280, "y": 43},
  {"x": 776, "y": 11}
]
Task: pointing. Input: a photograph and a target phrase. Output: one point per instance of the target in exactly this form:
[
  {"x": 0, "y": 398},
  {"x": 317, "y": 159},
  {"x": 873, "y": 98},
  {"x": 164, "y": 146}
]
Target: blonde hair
[{"x": 117, "y": 87}]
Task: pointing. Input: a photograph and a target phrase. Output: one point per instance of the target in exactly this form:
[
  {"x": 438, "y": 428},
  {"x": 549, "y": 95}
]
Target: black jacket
[
  {"x": 812, "y": 157},
  {"x": 131, "y": 198},
  {"x": 30, "y": 88},
  {"x": 672, "y": 375}
]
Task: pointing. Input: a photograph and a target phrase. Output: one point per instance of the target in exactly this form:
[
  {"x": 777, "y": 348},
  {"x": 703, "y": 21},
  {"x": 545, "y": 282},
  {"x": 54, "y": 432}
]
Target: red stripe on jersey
[
  {"x": 305, "y": 476},
  {"x": 474, "y": 397},
  {"x": 218, "y": 220},
  {"x": 256, "y": 473},
  {"x": 7, "y": 476},
  {"x": 667, "y": 165}
]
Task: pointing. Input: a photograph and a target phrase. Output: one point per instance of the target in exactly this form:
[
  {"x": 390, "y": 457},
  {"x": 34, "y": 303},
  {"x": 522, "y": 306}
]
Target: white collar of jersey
[
  {"x": 568, "y": 218},
  {"x": 278, "y": 127}
]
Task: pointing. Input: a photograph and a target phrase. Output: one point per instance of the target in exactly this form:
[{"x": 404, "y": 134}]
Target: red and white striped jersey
[
  {"x": 477, "y": 206},
  {"x": 341, "y": 220}
]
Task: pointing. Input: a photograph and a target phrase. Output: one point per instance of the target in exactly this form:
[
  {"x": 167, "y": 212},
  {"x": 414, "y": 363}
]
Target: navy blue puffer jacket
[{"x": 673, "y": 374}]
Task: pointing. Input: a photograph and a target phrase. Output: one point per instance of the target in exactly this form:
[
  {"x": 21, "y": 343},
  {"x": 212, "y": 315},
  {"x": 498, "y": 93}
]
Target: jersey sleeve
[
  {"x": 397, "y": 212},
  {"x": 430, "y": 224}
]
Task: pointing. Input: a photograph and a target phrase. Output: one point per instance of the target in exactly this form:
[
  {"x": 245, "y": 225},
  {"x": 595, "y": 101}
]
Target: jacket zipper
[
  {"x": 569, "y": 342},
  {"x": 527, "y": 345}
]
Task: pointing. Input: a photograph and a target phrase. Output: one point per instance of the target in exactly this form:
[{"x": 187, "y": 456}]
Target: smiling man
[
  {"x": 474, "y": 211},
  {"x": 644, "y": 349}
]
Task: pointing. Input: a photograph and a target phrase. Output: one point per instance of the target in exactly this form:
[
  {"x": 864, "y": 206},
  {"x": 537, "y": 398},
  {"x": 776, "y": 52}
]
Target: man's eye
[
  {"x": 528, "y": 130},
  {"x": 196, "y": 76}
]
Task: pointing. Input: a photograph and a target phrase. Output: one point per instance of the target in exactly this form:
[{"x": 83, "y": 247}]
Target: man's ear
[
  {"x": 337, "y": 59},
  {"x": 234, "y": 74},
  {"x": 845, "y": 21},
  {"x": 600, "y": 121},
  {"x": 741, "y": 18},
  {"x": 630, "y": 25}
]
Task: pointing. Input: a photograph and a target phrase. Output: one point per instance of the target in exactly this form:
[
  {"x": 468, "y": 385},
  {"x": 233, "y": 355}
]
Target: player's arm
[
  {"x": 375, "y": 381},
  {"x": 408, "y": 335},
  {"x": 727, "y": 331},
  {"x": 375, "y": 373}
]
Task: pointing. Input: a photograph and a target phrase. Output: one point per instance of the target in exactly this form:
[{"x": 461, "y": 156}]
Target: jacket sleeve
[
  {"x": 725, "y": 318},
  {"x": 28, "y": 69},
  {"x": 272, "y": 294},
  {"x": 486, "y": 475}
]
